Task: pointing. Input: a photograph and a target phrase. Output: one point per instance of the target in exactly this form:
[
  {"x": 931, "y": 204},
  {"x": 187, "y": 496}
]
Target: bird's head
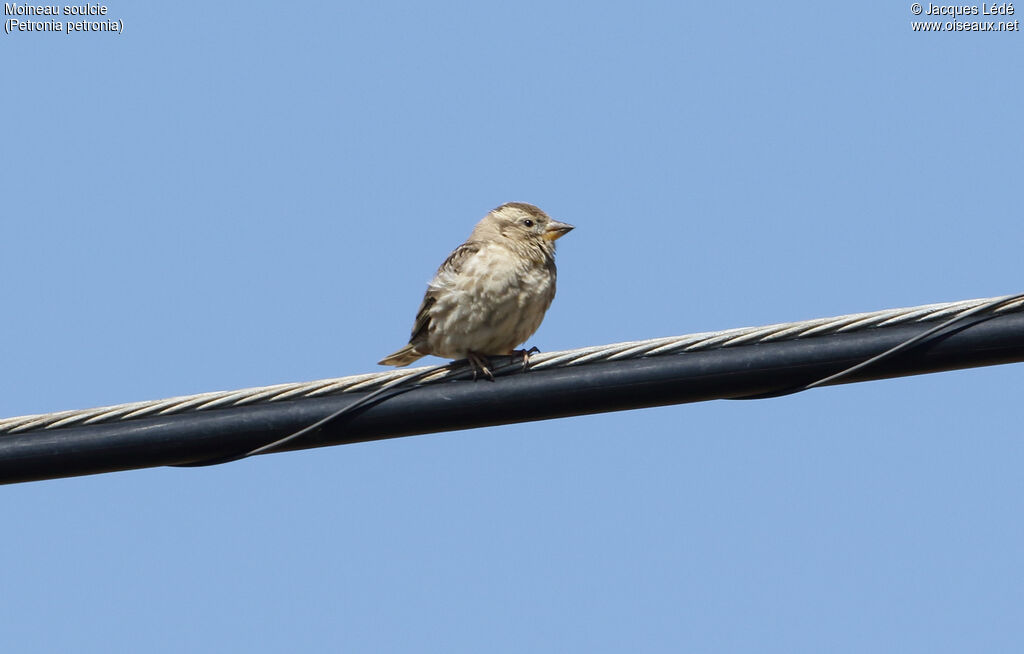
[{"x": 523, "y": 223}]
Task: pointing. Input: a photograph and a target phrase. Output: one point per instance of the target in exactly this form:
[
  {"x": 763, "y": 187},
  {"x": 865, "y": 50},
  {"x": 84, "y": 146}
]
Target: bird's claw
[
  {"x": 526, "y": 356},
  {"x": 479, "y": 364}
]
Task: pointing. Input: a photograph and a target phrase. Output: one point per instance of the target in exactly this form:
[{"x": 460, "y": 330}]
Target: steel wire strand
[{"x": 948, "y": 312}]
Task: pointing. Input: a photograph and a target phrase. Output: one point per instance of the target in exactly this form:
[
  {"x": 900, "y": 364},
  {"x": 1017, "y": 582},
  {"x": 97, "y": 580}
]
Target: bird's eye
[{"x": 528, "y": 222}]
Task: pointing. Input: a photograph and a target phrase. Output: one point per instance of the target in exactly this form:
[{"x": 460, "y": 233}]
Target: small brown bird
[{"x": 491, "y": 293}]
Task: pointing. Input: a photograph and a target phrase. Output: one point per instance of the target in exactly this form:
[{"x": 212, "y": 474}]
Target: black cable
[
  {"x": 407, "y": 384},
  {"x": 932, "y": 333},
  {"x": 364, "y": 402},
  {"x": 375, "y": 397},
  {"x": 747, "y": 370}
]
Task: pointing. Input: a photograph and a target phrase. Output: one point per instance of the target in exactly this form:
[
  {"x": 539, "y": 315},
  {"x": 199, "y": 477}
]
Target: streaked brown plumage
[{"x": 491, "y": 293}]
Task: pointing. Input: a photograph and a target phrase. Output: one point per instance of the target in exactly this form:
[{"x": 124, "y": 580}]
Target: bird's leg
[
  {"x": 479, "y": 363},
  {"x": 526, "y": 355}
]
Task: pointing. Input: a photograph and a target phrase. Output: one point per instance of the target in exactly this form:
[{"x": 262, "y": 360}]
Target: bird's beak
[{"x": 557, "y": 230}]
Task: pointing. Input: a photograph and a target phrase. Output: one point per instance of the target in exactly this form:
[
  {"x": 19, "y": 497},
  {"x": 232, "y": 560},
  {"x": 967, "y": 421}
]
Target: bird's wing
[
  {"x": 422, "y": 323},
  {"x": 451, "y": 266}
]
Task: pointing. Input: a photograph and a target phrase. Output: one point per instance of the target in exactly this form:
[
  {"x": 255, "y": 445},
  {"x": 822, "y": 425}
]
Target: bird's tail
[{"x": 403, "y": 357}]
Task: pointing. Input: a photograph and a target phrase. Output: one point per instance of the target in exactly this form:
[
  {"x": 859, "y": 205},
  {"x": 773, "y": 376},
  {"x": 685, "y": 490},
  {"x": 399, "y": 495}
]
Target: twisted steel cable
[{"x": 566, "y": 358}]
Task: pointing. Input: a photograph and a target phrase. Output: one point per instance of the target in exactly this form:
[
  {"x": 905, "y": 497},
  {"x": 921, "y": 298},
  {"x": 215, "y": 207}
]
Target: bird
[{"x": 491, "y": 293}]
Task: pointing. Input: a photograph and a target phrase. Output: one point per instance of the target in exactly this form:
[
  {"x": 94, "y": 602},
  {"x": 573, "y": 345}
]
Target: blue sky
[{"x": 221, "y": 198}]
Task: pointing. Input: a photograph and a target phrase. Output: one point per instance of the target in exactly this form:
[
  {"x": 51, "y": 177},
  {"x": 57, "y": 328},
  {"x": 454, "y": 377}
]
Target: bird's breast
[{"x": 492, "y": 304}]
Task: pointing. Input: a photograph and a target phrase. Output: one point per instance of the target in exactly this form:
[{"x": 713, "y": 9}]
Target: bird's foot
[
  {"x": 526, "y": 356},
  {"x": 479, "y": 363}
]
